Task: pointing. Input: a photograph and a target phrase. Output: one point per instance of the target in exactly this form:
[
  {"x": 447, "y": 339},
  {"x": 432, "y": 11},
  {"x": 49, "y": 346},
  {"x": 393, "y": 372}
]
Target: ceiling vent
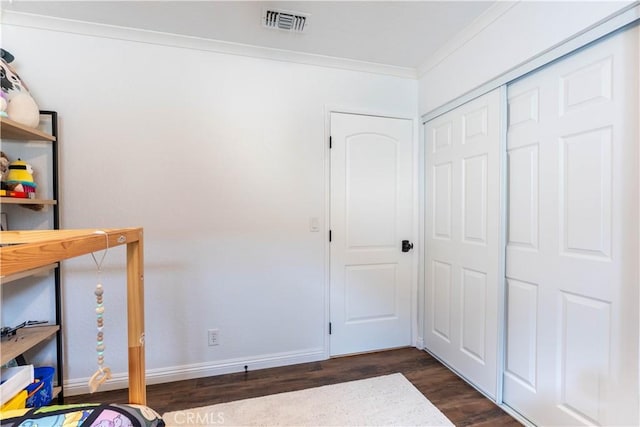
[{"x": 295, "y": 22}]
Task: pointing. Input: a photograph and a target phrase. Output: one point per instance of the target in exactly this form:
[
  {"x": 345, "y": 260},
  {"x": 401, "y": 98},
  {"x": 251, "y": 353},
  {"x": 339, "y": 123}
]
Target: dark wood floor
[{"x": 461, "y": 403}]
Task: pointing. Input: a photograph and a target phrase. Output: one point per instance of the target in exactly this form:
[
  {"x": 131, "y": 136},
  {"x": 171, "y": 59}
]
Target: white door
[
  {"x": 371, "y": 213},
  {"x": 572, "y": 248},
  {"x": 463, "y": 239}
]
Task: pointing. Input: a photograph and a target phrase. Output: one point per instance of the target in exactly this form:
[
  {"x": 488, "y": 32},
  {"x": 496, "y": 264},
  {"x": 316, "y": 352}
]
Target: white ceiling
[{"x": 396, "y": 33}]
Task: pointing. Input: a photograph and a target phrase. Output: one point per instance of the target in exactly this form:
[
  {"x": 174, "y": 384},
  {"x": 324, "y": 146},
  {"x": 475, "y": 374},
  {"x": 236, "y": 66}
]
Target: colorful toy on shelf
[
  {"x": 4, "y": 168},
  {"x": 4, "y": 165},
  {"x": 21, "y": 107},
  {"x": 20, "y": 180}
]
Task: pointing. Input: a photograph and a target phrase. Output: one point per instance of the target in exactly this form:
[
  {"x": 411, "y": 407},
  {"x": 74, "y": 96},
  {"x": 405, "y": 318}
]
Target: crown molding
[
  {"x": 483, "y": 21},
  {"x": 41, "y": 22}
]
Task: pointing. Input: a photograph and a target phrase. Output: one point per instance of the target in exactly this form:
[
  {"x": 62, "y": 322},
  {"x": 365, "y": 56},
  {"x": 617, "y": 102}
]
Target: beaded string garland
[{"x": 103, "y": 373}]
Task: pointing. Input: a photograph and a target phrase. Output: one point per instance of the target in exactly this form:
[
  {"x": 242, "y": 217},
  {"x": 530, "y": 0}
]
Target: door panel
[
  {"x": 441, "y": 282},
  {"x": 442, "y": 198},
  {"x": 522, "y": 303},
  {"x": 572, "y": 252},
  {"x": 474, "y": 290},
  {"x": 585, "y": 192},
  {"x": 371, "y": 213},
  {"x": 371, "y": 190},
  {"x": 474, "y": 199},
  {"x": 523, "y": 180},
  {"x": 370, "y": 292},
  {"x": 463, "y": 239}
]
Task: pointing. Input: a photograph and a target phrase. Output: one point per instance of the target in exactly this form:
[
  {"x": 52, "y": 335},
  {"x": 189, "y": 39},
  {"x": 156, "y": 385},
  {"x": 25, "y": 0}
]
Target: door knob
[{"x": 406, "y": 246}]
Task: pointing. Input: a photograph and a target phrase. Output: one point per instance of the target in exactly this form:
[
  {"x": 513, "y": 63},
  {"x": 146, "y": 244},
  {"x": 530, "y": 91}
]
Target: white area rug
[{"x": 389, "y": 400}]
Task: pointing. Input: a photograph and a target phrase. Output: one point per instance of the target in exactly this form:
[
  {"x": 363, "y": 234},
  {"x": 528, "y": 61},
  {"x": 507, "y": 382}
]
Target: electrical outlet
[{"x": 213, "y": 336}]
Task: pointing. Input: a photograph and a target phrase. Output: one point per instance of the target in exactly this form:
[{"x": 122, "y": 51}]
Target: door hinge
[
  {"x": 329, "y": 328},
  {"x": 330, "y": 143},
  {"x": 329, "y": 235}
]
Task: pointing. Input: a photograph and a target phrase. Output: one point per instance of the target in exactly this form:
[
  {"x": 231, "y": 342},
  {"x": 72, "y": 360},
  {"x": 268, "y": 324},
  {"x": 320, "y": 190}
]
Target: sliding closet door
[
  {"x": 463, "y": 246},
  {"x": 572, "y": 247}
]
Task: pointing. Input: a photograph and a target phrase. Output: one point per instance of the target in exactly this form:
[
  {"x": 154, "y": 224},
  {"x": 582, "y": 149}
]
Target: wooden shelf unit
[
  {"x": 20, "y": 135},
  {"x": 32, "y": 249},
  {"x": 16, "y": 276},
  {"x": 14, "y": 130},
  {"x": 19, "y": 201},
  {"x": 25, "y": 339}
]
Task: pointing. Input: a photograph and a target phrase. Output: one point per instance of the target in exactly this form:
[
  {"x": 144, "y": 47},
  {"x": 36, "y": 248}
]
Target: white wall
[
  {"x": 221, "y": 159},
  {"x": 508, "y": 37}
]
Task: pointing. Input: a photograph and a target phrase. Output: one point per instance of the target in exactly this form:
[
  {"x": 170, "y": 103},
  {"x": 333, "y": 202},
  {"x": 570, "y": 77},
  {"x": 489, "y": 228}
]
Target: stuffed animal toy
[
  {"x": 21, "y": 107},
  {"x": 20, "y": 177},
  {"x": 4, "y": 166},
  {"x": 3, "y": 105}
]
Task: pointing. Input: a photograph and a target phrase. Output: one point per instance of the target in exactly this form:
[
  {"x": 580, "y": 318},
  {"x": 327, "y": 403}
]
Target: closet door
[
  {"x": 572, "y": 246},
  {"x": 463, "y": 246}
]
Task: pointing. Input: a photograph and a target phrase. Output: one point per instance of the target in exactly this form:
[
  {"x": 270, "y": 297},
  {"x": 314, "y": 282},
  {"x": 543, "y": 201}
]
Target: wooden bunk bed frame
[{"x": 22, "y": 251}]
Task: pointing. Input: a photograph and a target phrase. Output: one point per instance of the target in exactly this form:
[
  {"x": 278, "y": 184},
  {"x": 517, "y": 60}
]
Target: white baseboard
[
  {"x": 419, "y": 343},
  {"x": 76, "y": 386}
]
